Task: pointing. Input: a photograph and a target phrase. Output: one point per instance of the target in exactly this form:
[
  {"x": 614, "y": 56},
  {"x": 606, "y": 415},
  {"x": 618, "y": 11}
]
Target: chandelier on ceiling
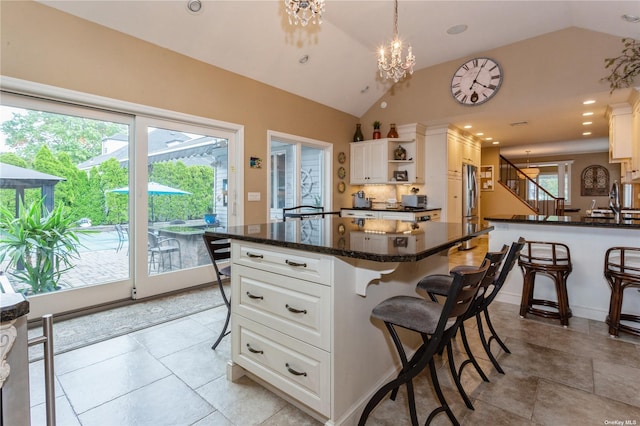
[
  {"x": 304, "y": 11},
  {"x": 530, "y": 172},
  {"x": 394, "y": 66}
]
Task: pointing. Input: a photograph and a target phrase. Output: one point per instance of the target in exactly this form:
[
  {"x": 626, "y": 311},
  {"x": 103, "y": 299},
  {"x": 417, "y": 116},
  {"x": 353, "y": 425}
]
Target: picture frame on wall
[
  {"x": 400, "y": 176},
  {"x": 486, "y": 178}
]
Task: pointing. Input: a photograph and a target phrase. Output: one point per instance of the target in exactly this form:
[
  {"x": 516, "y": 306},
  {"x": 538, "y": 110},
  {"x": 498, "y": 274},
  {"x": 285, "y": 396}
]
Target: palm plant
[{"x": 39, "y": 247}]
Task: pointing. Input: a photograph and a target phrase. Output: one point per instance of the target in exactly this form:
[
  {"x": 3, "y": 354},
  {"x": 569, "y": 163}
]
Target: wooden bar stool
[
  {"x": 554, "y": 261},
  {"x": 622, "y": 270}
]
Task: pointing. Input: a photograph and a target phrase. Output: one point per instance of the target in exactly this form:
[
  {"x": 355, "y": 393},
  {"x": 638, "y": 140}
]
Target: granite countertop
[
  {"x": 12, "y": 305},
  {"x": 584, "y": 221},
  {"x": 371, "y": 239}
]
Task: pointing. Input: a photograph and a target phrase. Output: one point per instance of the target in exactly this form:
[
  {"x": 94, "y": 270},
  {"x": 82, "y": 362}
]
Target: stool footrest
[{"x": 614, "y": 329}]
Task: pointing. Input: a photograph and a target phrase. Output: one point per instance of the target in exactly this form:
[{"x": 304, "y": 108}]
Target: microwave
[{"x": 414, "y": 201}]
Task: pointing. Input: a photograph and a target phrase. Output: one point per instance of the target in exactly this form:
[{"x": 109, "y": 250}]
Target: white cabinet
[
  {"x": 410, "y": 216},
  {"x": 620, "y": 133},
  {"x": 369, "y": 162},
  {"x": 447, "y": 148},
  {"x": 359, "y": 214},
  {"x": 375, "y": 162},
  {"x": 635, "y": 138},
  {"x": 281, "y": 320}
]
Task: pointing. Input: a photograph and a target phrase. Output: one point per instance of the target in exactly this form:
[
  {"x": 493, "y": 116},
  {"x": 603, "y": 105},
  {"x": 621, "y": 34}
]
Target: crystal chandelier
[
  {"x": 395, "y": 67},
  {"x": 303, "y": 11}
]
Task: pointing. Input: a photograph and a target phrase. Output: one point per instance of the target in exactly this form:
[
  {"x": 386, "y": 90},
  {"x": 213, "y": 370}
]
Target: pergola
[{"x": 19, "y": 178}]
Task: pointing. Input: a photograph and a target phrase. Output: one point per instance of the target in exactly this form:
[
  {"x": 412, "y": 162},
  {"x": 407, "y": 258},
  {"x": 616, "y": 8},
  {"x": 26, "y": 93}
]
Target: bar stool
[
  {"x": 436, "y": 323},
  {"x": 554, "y": 261},
  {"x": 622, "y": 270},
  {"x": 220, "y": 250},
  {"x": 490, "y": 286}
]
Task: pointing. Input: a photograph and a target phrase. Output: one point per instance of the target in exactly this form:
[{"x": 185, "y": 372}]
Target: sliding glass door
[{"x": 139, "y": 192}]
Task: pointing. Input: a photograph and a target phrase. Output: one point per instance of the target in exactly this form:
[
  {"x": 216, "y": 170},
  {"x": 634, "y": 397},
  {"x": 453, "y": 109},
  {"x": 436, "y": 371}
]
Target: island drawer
[
  {"x": 298, "y": 369},
  {"x": 300, "y": 309},
  {"x": 292, "y": 263}
]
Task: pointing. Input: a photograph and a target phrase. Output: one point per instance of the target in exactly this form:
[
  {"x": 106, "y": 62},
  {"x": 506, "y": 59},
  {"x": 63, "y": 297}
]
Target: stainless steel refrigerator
[{"x": 470, "y": 201}]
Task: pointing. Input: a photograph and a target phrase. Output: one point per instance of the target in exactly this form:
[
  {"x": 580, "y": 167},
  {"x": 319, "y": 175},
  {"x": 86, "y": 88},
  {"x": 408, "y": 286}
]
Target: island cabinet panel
[
  {"x": 307, "y": 266},
  {"x": 294, "y": 367},
  {"x": 296, "y": 307}
]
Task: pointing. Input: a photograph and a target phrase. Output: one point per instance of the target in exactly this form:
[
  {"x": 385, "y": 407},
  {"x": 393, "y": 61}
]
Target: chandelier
[
  {"x": 530, "y": 172},
  {"x": 395, "y": 67},
  {"x": 303, "y": 11}
]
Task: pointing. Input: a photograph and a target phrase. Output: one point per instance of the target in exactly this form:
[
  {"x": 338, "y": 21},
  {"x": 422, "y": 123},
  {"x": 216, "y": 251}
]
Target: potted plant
[
  {"x": 39, "y": 247},
  {"x": 626, "y": 67},
  {"x": 376, "y": 130}
]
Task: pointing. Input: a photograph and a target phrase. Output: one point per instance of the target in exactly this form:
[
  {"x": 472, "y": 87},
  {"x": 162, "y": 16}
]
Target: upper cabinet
[
  {"x": 620, "y": 133},
  {"x": 390, "y": 160}
]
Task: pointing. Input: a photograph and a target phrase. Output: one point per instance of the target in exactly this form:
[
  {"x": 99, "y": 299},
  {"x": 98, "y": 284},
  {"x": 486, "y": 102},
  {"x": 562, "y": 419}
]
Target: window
[
  {"x": 102, "y": 148},
  {"x": 554, "y": 178},
  {"x": 299, "y": 173}
]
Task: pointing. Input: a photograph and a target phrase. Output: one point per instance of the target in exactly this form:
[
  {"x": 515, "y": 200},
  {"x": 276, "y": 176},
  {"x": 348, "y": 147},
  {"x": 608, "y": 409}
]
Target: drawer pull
[
  {"x": 294, "y": 372},
  {"x": 253, "y": 296},
  {"x": 295, "y": 311},
  {"x": 292, "y": 263},
  {"x": 255, "y": 256},
  {"x": 254, "y": 351}
]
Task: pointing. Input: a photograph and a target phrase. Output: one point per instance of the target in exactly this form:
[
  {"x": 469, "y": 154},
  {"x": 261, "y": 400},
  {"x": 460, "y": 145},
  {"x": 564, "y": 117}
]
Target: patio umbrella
[{"x": 154, "y": 188}]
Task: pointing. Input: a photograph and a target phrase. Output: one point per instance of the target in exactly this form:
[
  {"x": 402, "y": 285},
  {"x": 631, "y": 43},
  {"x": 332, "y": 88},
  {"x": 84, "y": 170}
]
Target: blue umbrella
[{"x": 154, "y": 189}]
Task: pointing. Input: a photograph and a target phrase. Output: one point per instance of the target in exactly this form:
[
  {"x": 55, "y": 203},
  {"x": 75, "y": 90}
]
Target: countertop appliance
[
  {"x": 360, "y": 200},
  {"x": 414, "y": 201},
  {"x": 469, "y": 203}
]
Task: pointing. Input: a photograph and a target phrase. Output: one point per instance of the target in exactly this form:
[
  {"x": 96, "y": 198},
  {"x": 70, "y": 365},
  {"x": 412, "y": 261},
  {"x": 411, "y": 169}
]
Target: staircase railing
[{"x": 528, "y": 191}]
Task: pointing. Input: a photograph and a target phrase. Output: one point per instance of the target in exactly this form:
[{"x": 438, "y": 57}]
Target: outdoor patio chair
[
  {"x": 123, "y": 236},
  {"x": 162, "y": 249}
]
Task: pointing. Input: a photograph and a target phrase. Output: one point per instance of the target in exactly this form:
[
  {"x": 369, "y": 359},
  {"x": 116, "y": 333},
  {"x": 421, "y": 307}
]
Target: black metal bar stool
[
  {"x": 436, "y": 323},
  {"x": 622, "y": 270},
  {"x": 554, "y": 261},
  {"x": 490, "y": 286},
  {"x": 220, "y": 249}
]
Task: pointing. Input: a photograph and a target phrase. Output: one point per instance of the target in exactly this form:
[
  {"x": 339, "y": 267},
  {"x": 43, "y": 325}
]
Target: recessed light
[
  {"x": 589, "y": 102},
  {"x": 304, "y": 59},
  {"x": 194, "y": 6},
  {"x": 587, "y": 114},
  {"x": 383, "y": 104},
  {"x": 586, "y": 133},
  {"x": 468, "y": 126},
  {"x": 488, "y": 139},
  {"x": 586, "y": 123},
  {"x": 495, "y": 143},
  {"x": 634, "y": 19},
  {"x": 479, "y": 134},
  {"x": 457, "y": 29}
]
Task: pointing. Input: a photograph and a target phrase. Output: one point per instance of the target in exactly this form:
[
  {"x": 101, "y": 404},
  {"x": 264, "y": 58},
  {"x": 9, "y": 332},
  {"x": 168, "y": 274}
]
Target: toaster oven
[{"x": 414, "y": 201}]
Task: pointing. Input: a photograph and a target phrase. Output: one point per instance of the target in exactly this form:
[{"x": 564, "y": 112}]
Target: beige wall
[
  {"x": 43, "y": 45},
  {"x": 501, "y": 201}
]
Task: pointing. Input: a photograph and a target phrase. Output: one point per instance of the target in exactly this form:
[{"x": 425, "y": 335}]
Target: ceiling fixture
[
  {"x": 457, "y": 29},
  {"x": 395, "y": 67},
  {"x": 530, "y": 172},
  {"x": 194, "y": 6},
  {"x": 304, "y": 11},
  {"x": 304, "y": 59},
  {"x": 634, "y": 19}
]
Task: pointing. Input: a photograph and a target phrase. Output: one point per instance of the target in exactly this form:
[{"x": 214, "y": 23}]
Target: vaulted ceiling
[{"x": 255, "y": 39}]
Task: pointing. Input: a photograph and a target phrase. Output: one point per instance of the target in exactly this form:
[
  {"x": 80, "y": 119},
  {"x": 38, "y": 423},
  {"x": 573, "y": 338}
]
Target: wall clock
[{"x": 476, "y": 81}]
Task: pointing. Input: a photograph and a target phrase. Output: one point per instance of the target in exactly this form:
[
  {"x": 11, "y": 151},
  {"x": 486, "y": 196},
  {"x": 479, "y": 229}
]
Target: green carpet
[{"x": 85, "y": 330}]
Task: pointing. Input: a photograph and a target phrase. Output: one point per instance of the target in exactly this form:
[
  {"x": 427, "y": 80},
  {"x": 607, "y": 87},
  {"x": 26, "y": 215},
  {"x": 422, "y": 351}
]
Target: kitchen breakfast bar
[
  {"x": 302, "y": 292},
  {"x": 588, "y": 239}
]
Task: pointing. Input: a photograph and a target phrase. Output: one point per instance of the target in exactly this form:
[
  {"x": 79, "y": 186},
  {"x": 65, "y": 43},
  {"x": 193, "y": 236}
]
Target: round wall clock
[{"x": 476, "y": 81}]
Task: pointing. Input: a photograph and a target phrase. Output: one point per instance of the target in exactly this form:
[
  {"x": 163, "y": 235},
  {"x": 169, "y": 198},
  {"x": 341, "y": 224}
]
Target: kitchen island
[
  {"x": 302, "y": 294},
  {"x": 588, "y": 238}
]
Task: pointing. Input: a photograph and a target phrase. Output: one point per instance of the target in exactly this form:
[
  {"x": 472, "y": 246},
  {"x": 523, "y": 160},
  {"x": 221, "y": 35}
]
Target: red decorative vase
[{"x": 376, "y": 134}]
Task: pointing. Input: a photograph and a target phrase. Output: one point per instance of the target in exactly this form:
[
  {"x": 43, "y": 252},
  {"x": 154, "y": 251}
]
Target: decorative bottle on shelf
[
  {"x": 393, "y": 133},
  {"x": 358, "y": 136},
  {"x": 376, "y": 130}
]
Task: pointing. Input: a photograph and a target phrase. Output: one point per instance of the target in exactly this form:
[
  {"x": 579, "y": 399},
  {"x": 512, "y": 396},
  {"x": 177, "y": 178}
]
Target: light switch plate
[{"x": 253, "y": 196}]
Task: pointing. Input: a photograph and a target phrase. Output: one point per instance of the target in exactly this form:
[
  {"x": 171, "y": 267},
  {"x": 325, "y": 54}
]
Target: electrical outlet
[{"x": 253, "y": 196}]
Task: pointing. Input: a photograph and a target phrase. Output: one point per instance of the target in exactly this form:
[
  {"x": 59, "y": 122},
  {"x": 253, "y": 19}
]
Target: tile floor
[{"x": 168, "y": 375}]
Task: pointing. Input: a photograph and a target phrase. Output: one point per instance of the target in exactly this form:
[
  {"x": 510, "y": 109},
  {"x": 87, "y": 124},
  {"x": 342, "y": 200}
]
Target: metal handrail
[
  {"x": 49, "y": 378},
  {"x": 518, "y": 183}
]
